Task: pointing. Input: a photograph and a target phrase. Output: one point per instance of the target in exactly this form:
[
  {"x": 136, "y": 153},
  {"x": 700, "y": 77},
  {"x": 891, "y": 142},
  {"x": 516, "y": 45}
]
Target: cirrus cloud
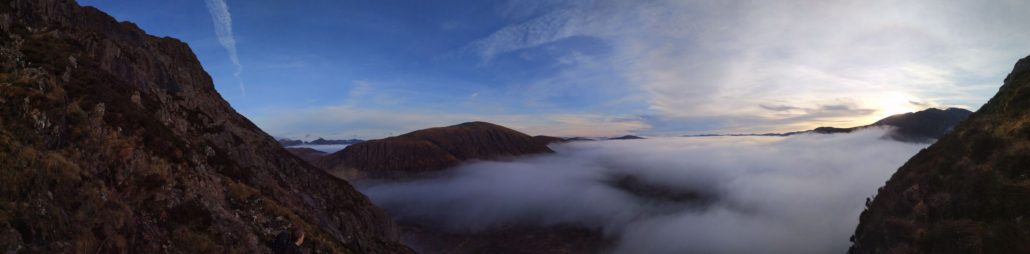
[{"x": 734, "y": 59}]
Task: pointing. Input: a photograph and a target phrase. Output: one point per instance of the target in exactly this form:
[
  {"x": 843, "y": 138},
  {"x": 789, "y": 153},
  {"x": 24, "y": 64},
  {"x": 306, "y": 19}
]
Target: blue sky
[{"x": 369, "y": 69}]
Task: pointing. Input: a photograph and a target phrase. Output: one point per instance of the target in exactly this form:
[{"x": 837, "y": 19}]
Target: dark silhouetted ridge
[
  {"x": 626, "y": 137},
  {"x": 967, "y": 193},
  {"x": 430, "y": 150},
  {"x": 548, "y": 139},
  {"x": 922, "y": 126},
  {"x": 115, "y": 141}
]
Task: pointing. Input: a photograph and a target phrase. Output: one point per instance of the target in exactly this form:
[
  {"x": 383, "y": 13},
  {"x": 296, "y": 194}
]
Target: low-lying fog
[{"x": 800, "y": 194}]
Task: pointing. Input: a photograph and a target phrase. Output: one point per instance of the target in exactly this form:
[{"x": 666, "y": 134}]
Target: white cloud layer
[
  {"x": 800, "y": 194},
  {"x": 223, "y": 29},
  {"x": 699, "y": 59}
]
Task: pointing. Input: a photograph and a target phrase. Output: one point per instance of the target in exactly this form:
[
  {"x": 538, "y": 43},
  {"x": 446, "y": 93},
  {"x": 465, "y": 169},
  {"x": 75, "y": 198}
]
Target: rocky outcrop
[
  {"x": 429, "y": 150},
  {"x": 115, "y": 141},
  {"x": 966, "y": 193}
]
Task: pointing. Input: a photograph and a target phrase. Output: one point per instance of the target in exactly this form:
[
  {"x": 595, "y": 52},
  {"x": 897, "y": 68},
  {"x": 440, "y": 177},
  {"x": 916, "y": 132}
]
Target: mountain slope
[
  {"x": 307, "y": 154},
  {"x": 430, "y": 150},
  {"x": 115, "y": 141},
  {"x": 967, "y": 193},
  {"x": 922, "y": 126}
]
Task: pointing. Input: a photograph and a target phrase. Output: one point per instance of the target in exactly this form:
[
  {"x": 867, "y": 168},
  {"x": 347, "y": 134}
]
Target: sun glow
[{"x": 894, "y": 103}]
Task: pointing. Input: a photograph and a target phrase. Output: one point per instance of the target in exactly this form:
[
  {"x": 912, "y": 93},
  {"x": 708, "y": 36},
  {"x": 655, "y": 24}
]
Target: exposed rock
[
  {"x": 966, "y": 193},
  {"x": 429, "y": 150},
  {"x": 135, "y": 152}
]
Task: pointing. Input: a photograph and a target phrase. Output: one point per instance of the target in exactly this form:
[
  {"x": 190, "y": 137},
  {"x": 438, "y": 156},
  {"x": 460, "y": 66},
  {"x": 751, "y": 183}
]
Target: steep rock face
[
  {"x": 429, "y": 150},
  {"x": 115, "y": 141},
  {"x": 967, "y": 193}
]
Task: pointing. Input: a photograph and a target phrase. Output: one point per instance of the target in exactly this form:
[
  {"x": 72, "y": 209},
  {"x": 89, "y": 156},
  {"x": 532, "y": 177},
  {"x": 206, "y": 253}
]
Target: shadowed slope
[
  {"x": 967, "y": 193},
  {"x": 115, "y": 141},
  {"x": 307, "y": 154},
  {"x": 430, "y": 150},
  {"x": 922, "y": 126}
]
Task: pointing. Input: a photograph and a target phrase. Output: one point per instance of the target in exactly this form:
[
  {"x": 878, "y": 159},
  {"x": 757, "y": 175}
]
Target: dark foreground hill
[
  {"x": 430, "y": 150},
  {"x": 115, "y": 141},
  {"x": 967, "y": 193}
]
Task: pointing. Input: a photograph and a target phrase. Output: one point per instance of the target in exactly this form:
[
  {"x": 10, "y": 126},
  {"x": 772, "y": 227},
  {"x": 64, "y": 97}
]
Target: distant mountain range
[
  {"x": 429, "y": 150},
  {"x": 320, "y": 141},
  {"x": 922, "y": 126},
  {"x": 626, "y": 137}
]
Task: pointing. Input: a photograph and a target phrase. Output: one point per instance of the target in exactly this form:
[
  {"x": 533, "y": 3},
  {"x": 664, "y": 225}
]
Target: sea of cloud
[{"x": 799, "y": 194}]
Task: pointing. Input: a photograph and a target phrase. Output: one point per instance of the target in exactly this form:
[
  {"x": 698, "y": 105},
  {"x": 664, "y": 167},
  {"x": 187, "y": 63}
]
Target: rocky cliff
[
  {"x": 967, "y": 193},
  {"x": 115, "y": 141},
  {"x": 429, "y": 150}
]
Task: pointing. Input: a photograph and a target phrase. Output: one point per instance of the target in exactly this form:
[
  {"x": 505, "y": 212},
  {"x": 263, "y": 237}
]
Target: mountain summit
[
  {"x": 115, "y": 141},
  {"x": 922, "y": 126},
  {"x": 430, "y": 150},
  {"x": 966, "y": 193}
]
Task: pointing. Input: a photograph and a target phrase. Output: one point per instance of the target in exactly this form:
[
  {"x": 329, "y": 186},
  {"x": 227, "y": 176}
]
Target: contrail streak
[{"x": 223, "y": 29}]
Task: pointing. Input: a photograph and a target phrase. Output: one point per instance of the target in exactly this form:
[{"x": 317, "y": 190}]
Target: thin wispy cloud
[
  {"x": 733, "y": 59},
  {"x": 682, "y": 66},
  {"x": 223, "y": 29}
]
